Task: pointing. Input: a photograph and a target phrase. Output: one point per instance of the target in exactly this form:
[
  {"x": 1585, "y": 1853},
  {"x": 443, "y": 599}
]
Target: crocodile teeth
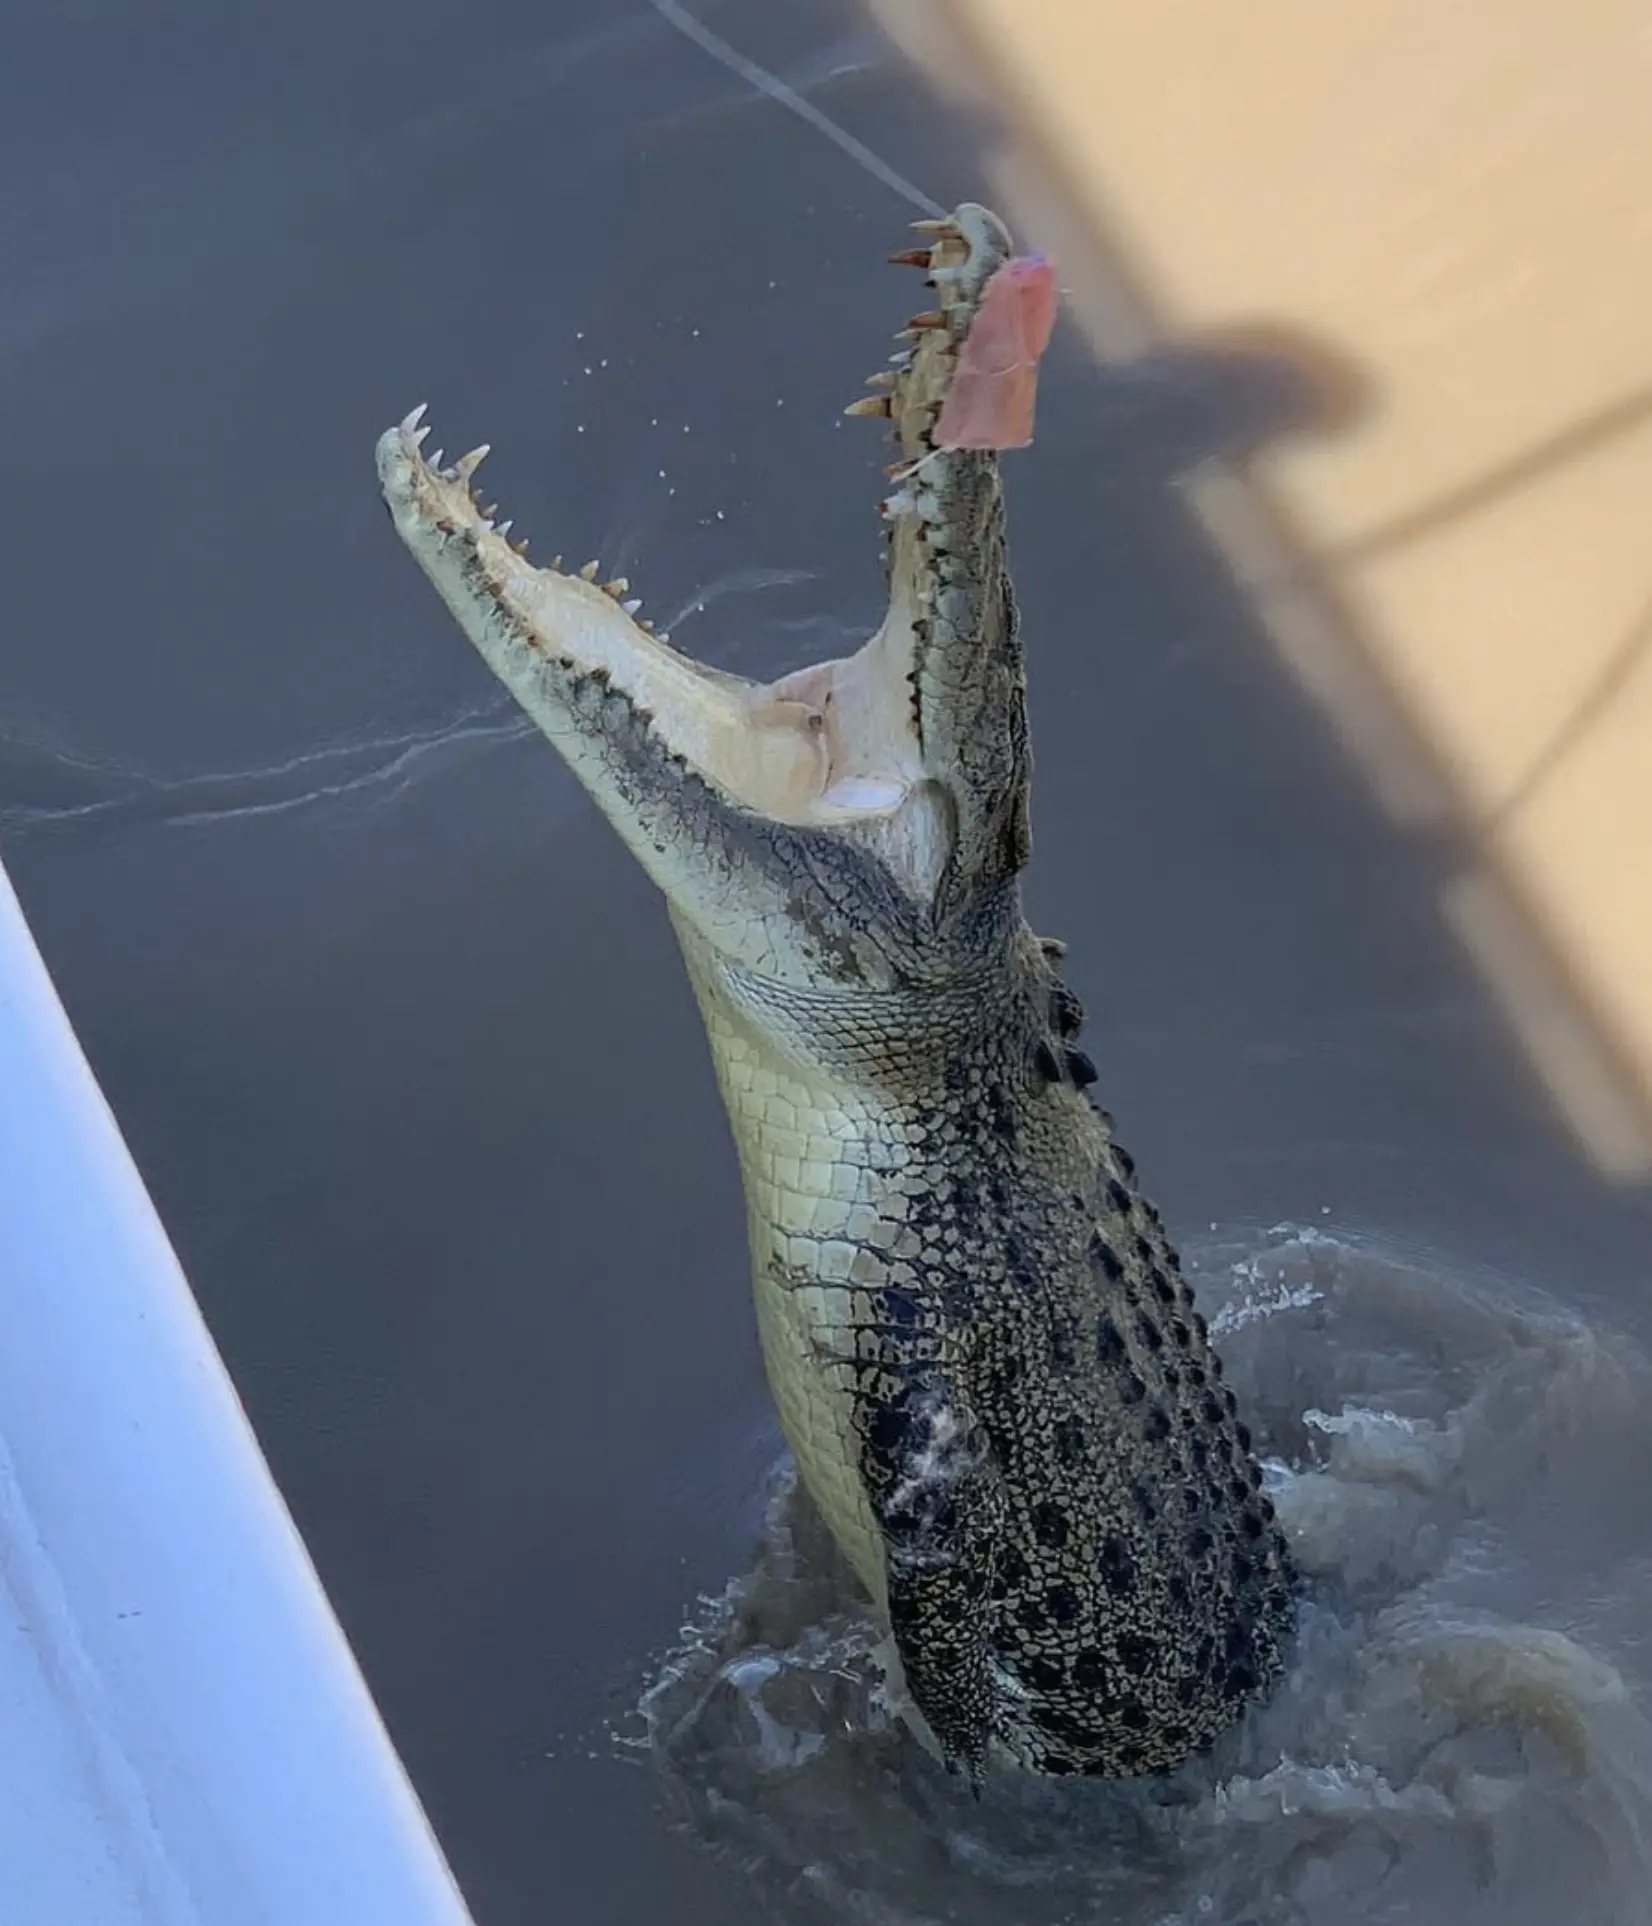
[
  {"x": 910, "y": 257},
  {"x": 869, "y": 405},
  {"x": 505, "y": 528},
  {"x": 633, "y": 605},
  {"x": 556, "y": 564},
  {"x": 589, "y": 570},
  {"x": 467, "y": 465},
  {"x": 930, "y": 318},
  {"x": 934, "y": 227},
  {"x": 882, "y": 379},
  {"x": 616, "y": 588},
  {"x": 413, "y": 421}
]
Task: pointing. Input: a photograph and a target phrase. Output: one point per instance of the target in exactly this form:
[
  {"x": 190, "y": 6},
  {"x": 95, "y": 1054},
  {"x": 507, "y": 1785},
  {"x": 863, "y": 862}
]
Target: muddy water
[{"x": 1460, "y": 1737}]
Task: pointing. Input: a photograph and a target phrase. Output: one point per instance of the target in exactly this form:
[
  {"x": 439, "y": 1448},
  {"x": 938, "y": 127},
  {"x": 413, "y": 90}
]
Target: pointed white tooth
[
  {"x": 467, "y": 465},
  {"x": 633, "y": 605},
  {"x": 506, "y": 527},
  {"x": 589, "y": 571},
  {"x": 899, "y": 360},
  {"x": 415, "y": 418},
  {"x": 436, "y": 459},
  {"x": 882, "y": 379},
  {"x": 616, "y": 588}
]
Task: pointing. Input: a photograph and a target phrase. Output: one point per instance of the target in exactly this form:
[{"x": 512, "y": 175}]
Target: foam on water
[{"x": 1466, "y": 1475}]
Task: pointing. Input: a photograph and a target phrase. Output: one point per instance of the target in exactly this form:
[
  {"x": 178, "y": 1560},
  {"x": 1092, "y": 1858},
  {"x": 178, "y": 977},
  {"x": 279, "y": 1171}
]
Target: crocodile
[{"x": 985, "y": 1354}]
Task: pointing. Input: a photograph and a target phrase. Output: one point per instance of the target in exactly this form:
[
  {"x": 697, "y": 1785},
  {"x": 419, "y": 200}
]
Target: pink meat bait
[{"x": 990, "y": 401}]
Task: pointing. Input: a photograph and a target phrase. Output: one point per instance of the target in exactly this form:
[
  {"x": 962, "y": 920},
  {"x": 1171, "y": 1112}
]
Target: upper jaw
[{"x": 838, "y": 745}]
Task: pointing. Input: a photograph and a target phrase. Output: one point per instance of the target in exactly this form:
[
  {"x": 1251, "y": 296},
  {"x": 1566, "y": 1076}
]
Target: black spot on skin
[
  {"x": 1071, "y": 1445},
  {"x": 1200, "y": 1325},
  {"x": 1012, "y": 1568},
  {"x": 1133, "y": 1715},
  {"x": 1063, "y": 1352},
  {"x": 1172, "y": 1377},
  {"x": 1266, "y": 1505},
  {"x": 1242, "y": 1433},
  {"x": 1042, "y": 1674},
  {"x": 1196, "y": 1376},
  {"x": 1251, "y": 1525},
  {"x": 1238, "y": 1490},
  {"x": 1151, "y": 1335},
  {"x": 1253, "y": 1474},
  {"x": 1242, "y": 1569},
  {"x": 1091, "y": 1672},
  {"x": 1173, "y": 1257},
  {"x": 1107, "y": 1260},
  {"x": 1164, "y": 1288},
  {"x": 1229, "y": 1399},
  {"x": 1029, "y": 1615},
  {"x": 1062, "y": 1603},
  {"x": 1199, "y": 1542},
  {"x": 1236, "y": 1643},
  {"x": 1109, "y": 1345},
  {"x": 1155, "y": 1424},
  {"x": 1146, "y": 1507},
  {"x": 1136, "y": 1653},
  {"x": 1199, "y": 1452},
  {"x": 1118, "y": 1568},
  {"x": 1187, "y": 1690},
  {"x": 1133, "y": 1390},
  {"x": 1080, "y": 1069},
  {"x": 1241, "y": 1681},
  {"x": 1211, "y": 1406},
  {"x": 1118, "y": 1198},
  {"x": 1049, "y": 1523},
  {"x": 1176, "y": 1588}
]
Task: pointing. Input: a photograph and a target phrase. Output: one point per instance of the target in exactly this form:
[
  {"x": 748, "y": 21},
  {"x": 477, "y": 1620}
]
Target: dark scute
[
  {"x": 1071, "y": 1443},
  {"x": 1109, "y": 1345},
  {"x": 1091, "y": 1672},
  {"x": 1065, "y": 1015},
  {"x": 1061, "y": 1601},
  {"x": 1134, "y": 1715},
  {"x": 1151, "y": 1335},
  {"x": 1133, "y": 1390},
  {"x": 1042, "y": 1674},
  {"x": 1118, "y": 1198},
  {"x": 1136, "y": 1653},
  {"x": 1164, "y": 1287},
  {"x": 1118, "y": 1568},
  {"x": 1146, "y": 1505},
  {"x": 1124, "y": 1160},
  {"x": 1156, "y": 1424},
  {"x": 1049, "y": 1523},
  {"x": 1199, "y": 1542},
  {"x": 1242, "y": 1432},
  {"x": 1046, "y": 1062},
  {"x": 1081, "y": 1069},
  {"x": 1107, "y": 1260}
]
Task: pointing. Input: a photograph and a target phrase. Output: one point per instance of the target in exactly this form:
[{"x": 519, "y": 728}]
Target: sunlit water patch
[{"x": 1466, "y": 1475}]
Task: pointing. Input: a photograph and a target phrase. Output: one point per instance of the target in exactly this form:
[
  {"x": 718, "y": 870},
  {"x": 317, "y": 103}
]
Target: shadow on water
[{"x": 1459, "y": 1738}]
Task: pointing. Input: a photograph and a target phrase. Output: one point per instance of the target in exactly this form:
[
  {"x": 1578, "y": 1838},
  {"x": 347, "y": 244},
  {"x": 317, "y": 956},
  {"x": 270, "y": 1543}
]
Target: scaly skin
[{"x": 984, "y": 1353}]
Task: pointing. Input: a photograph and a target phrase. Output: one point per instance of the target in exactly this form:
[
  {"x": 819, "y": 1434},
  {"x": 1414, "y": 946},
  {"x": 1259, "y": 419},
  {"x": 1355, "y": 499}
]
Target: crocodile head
[{"x": 850, "y": 821}]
